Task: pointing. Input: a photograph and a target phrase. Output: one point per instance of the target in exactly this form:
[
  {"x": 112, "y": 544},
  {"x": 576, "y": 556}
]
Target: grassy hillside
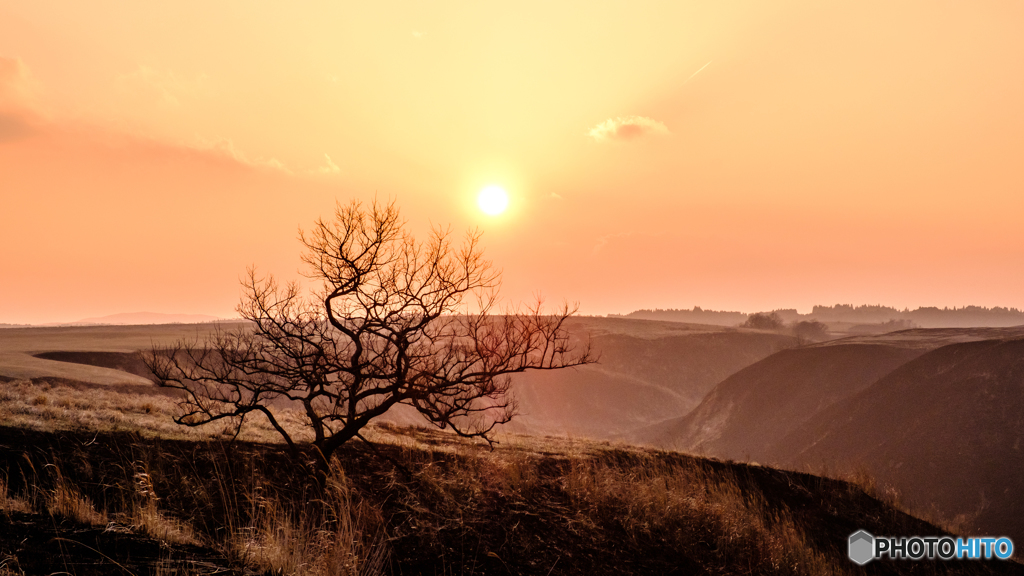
[
  {"x": 19, "y": 347},
  {"x": 424, "y": 502},
  {"x": 96, "y": 479}
]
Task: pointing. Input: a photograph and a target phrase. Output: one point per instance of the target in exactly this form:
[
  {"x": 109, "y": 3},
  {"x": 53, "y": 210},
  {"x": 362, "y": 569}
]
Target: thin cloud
[
  {"x": 329, "y": 168},
  {"x": 19, "y": 115},
  {"x": 625, "y": 128},
  {"x": 164, "y": 86},
  {"x": 226, "y": 147},
  {"x": 15, "y": 85},
  {"x": 603, "y": 241}
]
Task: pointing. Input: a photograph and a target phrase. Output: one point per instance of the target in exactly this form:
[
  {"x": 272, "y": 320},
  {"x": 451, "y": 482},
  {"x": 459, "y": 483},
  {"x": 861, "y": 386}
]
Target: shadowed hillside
[
  {"x": 755, "y": 408},
  {"x": 744, "y": 416},
  {"x": 639, "y": 379},
  {"x": 130, "y": 362},
  {"x": 947, "y": 429}
]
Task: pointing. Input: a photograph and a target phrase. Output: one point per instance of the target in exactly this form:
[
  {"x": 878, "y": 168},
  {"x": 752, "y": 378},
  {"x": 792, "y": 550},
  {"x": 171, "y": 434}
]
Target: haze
[{"x": 738, "y": 156}]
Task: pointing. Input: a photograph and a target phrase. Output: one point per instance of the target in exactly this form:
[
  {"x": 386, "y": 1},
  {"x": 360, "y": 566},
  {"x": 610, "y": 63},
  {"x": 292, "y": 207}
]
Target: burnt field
[{"x": 423, "y": 502}]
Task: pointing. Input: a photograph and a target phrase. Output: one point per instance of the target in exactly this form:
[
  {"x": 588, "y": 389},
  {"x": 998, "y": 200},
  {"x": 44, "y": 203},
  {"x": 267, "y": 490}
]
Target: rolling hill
[
  {"x": 649, "y": 370},
  {"x": 748, "y": 413},
  {"x": 642, "y": 377},
  {"x": 937, "y": 413},
  {"x": 946, "y": 429}
]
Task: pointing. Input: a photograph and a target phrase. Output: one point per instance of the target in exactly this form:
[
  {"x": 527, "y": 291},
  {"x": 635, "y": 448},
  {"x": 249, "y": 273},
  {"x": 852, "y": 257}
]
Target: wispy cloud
[
  {"x": 165, "y": 86},
  {"x": 19, "y": 114},
  {"x": 329, "y": 168},
  {"x": 624, "y": 128},
  {"x": 418, "y": 35},
  {"x": 603, "y": 241},
  {"x": 15, "y": 83},
  {"x": 226, "y": 147}
]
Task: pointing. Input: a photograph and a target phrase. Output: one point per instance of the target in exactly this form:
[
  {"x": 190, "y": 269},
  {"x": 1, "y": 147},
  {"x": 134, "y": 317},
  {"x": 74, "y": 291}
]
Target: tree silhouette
[
  {"x": 387, "y": 325},
  {"x": 764, "y": 321}
]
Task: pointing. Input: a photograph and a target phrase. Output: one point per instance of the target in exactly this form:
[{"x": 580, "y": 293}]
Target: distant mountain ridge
[
  {"x": 145, "y": 318},
  {"x": 924, "y": 317}
]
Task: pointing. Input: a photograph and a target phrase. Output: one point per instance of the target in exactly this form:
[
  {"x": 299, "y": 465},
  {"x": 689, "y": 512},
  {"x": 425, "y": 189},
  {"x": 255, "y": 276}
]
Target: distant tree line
[
  {"x": 696, "y": 316},
  {"x": 924, "y": 317}
]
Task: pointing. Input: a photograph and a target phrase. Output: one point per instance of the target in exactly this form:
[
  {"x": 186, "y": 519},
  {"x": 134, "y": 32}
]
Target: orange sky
[{"x": 732, "y": 155}]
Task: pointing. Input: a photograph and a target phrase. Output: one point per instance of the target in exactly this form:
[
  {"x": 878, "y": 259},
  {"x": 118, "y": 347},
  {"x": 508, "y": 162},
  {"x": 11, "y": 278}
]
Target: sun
[{"x": 492, "y": 200}]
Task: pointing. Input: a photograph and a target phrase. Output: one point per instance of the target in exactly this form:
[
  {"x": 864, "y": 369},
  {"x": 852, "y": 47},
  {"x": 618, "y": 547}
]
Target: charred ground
[{"x": 437, "y": 505}]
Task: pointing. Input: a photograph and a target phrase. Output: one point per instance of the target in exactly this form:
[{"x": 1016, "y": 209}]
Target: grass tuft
[
  {"x": 330, "y": 536},
  {"x": 65, "y": 501}
]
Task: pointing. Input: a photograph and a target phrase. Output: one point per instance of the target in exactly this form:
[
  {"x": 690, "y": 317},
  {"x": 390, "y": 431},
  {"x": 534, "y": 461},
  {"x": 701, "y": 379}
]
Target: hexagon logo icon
[{"x": 862, "y": 547}]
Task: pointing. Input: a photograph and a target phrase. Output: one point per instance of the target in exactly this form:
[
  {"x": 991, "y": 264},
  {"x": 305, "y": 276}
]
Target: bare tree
[{"x": 387, "y": 325}]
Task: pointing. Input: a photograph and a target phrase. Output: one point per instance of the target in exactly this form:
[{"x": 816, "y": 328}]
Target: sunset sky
[{"x": 731, "y": 155}]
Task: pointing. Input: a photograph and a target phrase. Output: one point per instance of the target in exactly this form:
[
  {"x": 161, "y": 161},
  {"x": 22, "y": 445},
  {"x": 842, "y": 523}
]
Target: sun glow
[{"x": 492, "y": 200}]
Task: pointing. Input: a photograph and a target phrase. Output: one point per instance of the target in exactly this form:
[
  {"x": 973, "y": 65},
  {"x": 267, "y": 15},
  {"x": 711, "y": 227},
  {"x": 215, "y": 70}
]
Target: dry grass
[
  {"x": 686, "y": 504},
  {"x": 54, "y": 406},
  {"x": 458, "y": 504},
  {"x": 64, "y": 500},
  {"x": 652, "y": 501},
  {"x": 594, "y": 494},
  {"x": 859, "y": 477},
  {"x": 331, "y": 536},
  {"x": 147, "y": 519},
  {"x": 261, "y": 531},
  {"x": 9, "y": 566},
  {"x": 12, "y": 503}
]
